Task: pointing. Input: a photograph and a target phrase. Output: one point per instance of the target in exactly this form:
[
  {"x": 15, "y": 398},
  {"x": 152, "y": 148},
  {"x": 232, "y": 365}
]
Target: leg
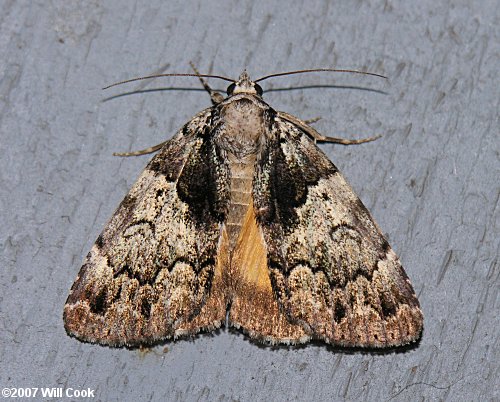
[
  {"x": 321, "y": 138},
  {"x": 344, "y": 141},
  {"x": 141, "y": 152},
  {"x": 314, "y": 120},
  {"x": 214, "y": 96}
]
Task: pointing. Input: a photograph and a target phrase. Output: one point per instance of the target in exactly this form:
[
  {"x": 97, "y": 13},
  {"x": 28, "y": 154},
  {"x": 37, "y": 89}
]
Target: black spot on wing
[
  {"x": 339, "y": 311},
  {"x": 97, "y": 301},
  {"x": 100, "y": 241}
]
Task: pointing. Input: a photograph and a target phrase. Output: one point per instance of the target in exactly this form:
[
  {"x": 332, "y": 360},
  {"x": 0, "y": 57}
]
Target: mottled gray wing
[
  {"x": 149, "y": 274},
  {"x": 331, "y": 268}
]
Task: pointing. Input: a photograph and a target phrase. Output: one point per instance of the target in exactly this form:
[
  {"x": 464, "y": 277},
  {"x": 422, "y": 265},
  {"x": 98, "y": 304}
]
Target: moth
[{"x": 241, "y": 219}]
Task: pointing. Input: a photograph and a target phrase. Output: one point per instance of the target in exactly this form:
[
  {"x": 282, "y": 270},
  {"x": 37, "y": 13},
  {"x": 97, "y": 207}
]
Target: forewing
[
  {"x": 150, "y": 272},
  {"x": 331, "y": 268}
]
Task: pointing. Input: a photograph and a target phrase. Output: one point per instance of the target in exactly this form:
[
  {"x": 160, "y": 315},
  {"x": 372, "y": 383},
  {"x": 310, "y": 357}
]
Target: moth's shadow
[
  {"x": 278, "y": 89},
  {"x": 152, "y": 90},
  {"x": 315, "y": 343},
  {"x": 348, "y": 87},
  {"x": 268, "y": 346}
]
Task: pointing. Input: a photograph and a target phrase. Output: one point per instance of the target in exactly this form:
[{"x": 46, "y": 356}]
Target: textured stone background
[{"x": 432, "y": 181}]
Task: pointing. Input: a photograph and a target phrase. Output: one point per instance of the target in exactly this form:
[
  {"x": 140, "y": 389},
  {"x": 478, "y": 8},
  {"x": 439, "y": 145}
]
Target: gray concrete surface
[{"x": 432, "y": 181}]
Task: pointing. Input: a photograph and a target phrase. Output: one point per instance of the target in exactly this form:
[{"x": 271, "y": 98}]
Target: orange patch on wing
[
  {"x": 254, "y": 306},
  {"x": 249, "y": 261}
]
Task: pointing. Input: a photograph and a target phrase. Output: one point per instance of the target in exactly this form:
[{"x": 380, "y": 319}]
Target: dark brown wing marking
[
  {"x": 330, "y": 266},
  {"x": 150, "y": 272}
]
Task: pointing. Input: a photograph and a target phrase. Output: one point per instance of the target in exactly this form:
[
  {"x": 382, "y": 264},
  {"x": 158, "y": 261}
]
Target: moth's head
[{"x": 244, "y": 85}]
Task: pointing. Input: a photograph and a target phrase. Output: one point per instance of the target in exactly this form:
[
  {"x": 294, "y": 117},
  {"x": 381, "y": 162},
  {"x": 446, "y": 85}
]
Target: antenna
[
  {"x": 234, "y": 81},
  {"x": 318, "y": 70},
  {"x": 169, "y": 75}
]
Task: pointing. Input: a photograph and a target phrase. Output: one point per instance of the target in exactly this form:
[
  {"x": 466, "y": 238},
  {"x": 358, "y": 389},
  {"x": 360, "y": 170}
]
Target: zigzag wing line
[
  {"x": 330, "y": 266},
  {"x": 151, "y": 270}
]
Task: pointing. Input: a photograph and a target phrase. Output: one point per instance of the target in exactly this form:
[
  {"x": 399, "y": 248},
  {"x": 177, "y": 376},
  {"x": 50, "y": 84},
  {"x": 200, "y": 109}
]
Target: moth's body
[
  {"x": 241, "y": 213},
  {"x": 245, "y": 131}
]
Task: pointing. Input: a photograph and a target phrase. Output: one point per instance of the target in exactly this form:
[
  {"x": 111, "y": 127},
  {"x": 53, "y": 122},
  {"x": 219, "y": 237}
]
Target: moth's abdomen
[
  {"x": 242, "y": 137},
  {"x": 242, "y": 172}
]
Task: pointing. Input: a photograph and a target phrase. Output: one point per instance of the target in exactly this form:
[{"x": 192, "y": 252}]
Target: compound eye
[
  {"x": 258, "y": 88},
  {"x": 230, "y": 88}
]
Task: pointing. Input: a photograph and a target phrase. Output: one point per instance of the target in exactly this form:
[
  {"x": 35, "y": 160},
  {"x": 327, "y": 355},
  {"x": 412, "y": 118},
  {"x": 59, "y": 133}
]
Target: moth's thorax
[{"x": 244, "y": 125}]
